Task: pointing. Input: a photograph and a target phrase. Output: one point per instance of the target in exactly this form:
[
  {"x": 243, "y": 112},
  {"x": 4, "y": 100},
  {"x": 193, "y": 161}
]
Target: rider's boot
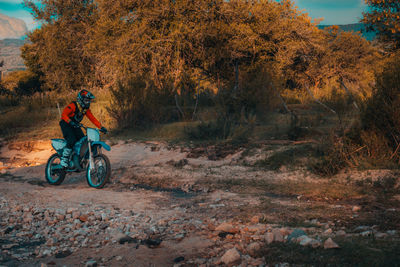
[{"x": 65, "y": 157}]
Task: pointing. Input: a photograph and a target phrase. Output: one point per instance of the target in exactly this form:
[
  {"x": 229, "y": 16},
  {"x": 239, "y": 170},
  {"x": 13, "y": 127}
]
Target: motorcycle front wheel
[
  {"x": 101, "y": 172},
  {"x": 54, "y": 173}
]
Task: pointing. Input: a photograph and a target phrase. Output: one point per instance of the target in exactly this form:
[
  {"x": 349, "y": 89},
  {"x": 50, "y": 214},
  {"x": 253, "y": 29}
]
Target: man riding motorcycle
[{"x": 71, "y": 120}]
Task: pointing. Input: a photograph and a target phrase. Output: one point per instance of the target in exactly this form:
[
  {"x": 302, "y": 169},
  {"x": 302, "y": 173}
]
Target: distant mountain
[
  {"x": 10, "y": 52},
  {"x": 12, "y": 27},
  {"x": 356, "y": 27}
]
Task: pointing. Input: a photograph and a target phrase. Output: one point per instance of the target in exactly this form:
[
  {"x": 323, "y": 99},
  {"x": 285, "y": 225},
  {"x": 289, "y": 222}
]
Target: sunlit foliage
[
  {"x": 383, "y": 17},
  {"x": 248, "y": 50}
]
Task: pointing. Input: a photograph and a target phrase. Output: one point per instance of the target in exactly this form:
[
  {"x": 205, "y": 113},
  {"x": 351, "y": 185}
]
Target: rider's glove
[
  {"x": 103, "y": 130},
  {"x": 74, "y": 124}
]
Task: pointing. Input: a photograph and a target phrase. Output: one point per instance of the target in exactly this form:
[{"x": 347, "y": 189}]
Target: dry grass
[
  {"x": 321, "y": 190},
  {"x": 353, "y": 252},
  {"x": 37, "y": 117}
]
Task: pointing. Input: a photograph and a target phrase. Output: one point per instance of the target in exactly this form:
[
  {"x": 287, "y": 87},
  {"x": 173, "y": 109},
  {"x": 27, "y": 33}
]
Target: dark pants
[{"x": 71, "y": 134}]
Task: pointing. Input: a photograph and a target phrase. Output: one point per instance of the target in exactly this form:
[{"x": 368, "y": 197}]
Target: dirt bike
[{"x": 86, "y": 155}]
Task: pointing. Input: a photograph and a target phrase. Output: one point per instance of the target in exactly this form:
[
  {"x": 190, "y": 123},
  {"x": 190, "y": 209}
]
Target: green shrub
[
  {"x": 137, "y": 103},
  {"x": 382, "y": 112},
  {"x": 7, "y": 101},
  {"x": 37, "y": 115},
  {"x": 223, "y": 128},
  {"x": 289, "y": 157},
  {"x": 211, "y": 130},
  {"x": 333, "y": 157},
  {"x": 374, "y": 142},
  {"x": 22, "y": 83}
]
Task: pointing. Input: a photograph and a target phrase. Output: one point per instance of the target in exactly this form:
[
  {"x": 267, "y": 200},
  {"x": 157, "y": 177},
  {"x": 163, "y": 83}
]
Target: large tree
[
  {"x": 57, "y": 49},
  {"x": 383, "y": 17},
  {"x": 170, "y": 39},
  {"x": 174, "y": 47}
]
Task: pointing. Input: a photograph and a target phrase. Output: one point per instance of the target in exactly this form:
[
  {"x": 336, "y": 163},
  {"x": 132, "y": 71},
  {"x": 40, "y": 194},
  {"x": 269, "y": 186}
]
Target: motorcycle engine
[{"x": 74, "y": 162}]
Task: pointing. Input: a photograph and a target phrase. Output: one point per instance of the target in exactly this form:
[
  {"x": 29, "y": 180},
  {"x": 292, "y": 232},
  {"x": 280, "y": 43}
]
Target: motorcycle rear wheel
[
  {"x": 54, "y": 177},
  {"x": 101, "y": 172}
]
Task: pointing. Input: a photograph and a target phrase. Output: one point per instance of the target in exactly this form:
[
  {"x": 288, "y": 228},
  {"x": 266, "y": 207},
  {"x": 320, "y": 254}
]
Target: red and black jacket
[{"x": 74, "y": 112}]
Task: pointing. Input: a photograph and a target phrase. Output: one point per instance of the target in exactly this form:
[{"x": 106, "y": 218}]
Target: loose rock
[
  {"x": 329, "y": 244},
  {"x": 278, "y": 237},
  {"x": 227, "y": 227},
  {"x": 296, "y": 233},
  {"x": 269, "y": 237},
  {"x": 253, "y": 248},
  {"x": 356, "y": 208},
  {"x": 231, "y": 256},
  {"x": 91, "y": 263}
]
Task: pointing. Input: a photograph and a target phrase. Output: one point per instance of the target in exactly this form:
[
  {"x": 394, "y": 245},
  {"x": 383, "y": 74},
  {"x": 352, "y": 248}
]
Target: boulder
[
  {"x": 253, "y": 249},
  {"x": 123, "y": 238},
  {"x": 307, "y": 241},
  {"x": 366, "y": 233},
  {"x": 356, "y": 208},
  {"x": 91, "y": 263},
  {"x": 328, "y": 231},
  {"x": 278, "y": 237},
  {"x": 269, "y": 237},
  {"x": 329, "y": 244},
  {"x": 255, "y": 219},
  {"x": 296, "y": 233},
  {"x": 340, "y": 233},
  {"x": 70, "y": 210},
  {"x": 84, "y": 218},
  {"x": 231, "y": 256},
  {"x": 227, "y": 227}
]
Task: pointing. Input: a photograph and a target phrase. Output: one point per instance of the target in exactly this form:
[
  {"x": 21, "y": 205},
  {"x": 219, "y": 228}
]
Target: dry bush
[
  {"x": 375, "y": 141},
  {"x": 382, "y": 113},
  {"x": 137, "y": 103},
  {"x": 38, "y": 115},
  {"x": 223, "y": 128},
  {"x": 333, "y": 157},
  {"x": 22, "y": 83}
]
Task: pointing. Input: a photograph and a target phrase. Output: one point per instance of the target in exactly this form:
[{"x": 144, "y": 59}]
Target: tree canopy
[
  {"x": 172, "y": 45},
  {"x": 383, "y": 17}
]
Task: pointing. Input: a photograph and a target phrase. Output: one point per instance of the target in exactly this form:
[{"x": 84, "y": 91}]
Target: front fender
[{"x": 103, "y": 144}]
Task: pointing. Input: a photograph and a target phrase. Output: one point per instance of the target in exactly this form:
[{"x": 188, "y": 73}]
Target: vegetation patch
[
  {"x": 293, "y": 156},
  {"x": 352, "y": 252}
]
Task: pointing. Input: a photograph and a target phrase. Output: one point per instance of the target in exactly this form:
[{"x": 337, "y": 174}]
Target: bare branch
[{"x": 319, "y": 102}]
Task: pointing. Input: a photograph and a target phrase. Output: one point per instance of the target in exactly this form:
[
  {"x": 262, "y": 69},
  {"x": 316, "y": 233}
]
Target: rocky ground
[{"x": 164, "y": 206}]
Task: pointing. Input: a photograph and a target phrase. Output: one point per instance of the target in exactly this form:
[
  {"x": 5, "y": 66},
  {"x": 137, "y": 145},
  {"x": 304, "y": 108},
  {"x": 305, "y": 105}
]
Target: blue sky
[{"x": 333, "y": 11}]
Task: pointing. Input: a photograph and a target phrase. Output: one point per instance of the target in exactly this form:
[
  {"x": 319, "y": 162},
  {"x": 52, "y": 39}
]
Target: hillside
[
  {"x": 12, "y": 27},
  {"x": 356, "y": 27},
  {"x": 11, "y": 54}
]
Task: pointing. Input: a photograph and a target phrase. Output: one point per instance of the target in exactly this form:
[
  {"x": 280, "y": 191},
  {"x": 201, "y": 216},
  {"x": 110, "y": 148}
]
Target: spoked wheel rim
[
  {"x": 54, "y": 171},
  {"x": 99, "y": 173}
]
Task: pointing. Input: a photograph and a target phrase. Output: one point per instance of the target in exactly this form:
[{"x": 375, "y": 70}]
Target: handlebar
[{"x": 86, "y": 127}]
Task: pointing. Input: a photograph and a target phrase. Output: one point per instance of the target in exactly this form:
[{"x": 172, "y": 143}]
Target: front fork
[{"x": 91, "y": 161}]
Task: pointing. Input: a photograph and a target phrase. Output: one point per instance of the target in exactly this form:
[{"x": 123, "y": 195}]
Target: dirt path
[
  {"x": 141, "y": 197},
  {"x": 160, "y": 209}
]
